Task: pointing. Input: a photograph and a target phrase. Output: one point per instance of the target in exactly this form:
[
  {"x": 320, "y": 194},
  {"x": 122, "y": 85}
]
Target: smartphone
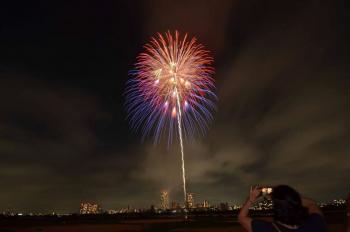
[{"x": 266, "y": 191}]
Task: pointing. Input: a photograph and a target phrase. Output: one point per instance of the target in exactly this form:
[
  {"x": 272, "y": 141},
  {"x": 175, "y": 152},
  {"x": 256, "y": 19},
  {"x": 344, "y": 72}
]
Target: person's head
[{"x": 287, "y": 205}]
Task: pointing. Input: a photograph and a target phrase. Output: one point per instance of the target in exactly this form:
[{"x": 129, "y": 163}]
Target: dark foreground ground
[{"x": 205, "y": 223}]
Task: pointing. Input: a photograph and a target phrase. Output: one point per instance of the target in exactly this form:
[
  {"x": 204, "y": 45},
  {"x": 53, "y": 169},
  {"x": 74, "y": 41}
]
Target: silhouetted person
[{"x": 291, "y": 212}]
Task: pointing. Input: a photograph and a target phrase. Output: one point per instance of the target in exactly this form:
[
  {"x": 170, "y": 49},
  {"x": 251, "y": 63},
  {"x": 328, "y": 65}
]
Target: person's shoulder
[
  {"x": 261, "y": 225},
  {"x": 315, "y": 217},
  {"x": 316, "y": 221}
]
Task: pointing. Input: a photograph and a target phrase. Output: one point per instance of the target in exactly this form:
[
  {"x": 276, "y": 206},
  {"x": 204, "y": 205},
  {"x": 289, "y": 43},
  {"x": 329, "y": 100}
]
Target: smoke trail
[{"x": 181, "y": 146}]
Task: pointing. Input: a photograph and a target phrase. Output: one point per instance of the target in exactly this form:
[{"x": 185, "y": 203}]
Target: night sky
[{"x": 282, "y": 77}]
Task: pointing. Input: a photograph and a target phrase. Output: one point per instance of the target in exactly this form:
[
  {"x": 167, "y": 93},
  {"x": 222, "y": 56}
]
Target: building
[
  {"x": 164, "y": 200},
  {"x": 205, "y": 204},
  {"x": 175, "y": 205},
  {"x": 89, "y": 208},
  {"x": 190, "y": 200},
  {"x": 112, "y": 211},
  {"x": 153, "y": 209},
  {"x": 224, "y": 206}
]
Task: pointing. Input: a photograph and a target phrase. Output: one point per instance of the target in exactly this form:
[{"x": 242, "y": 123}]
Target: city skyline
[
  {"x": 94, "y": 207},
  {"x": 281, "y": 77}
]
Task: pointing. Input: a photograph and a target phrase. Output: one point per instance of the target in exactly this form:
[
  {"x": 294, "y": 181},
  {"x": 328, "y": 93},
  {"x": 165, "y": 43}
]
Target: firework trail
[
  {"x": 181, "y": 145},
  {"x": 170, "y": 91}
]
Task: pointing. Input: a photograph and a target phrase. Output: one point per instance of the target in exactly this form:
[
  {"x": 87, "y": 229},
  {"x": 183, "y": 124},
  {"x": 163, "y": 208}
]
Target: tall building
[
  {"x": 164, "y": 200},
  {"x": 205, "y": 204},
  {"x": 89, "y": 208},
  {"x": 190, "y": 200}
]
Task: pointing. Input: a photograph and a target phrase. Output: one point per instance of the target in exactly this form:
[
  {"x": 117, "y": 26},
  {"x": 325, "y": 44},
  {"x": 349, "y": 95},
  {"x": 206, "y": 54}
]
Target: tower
[
  {"x": 205, "y": 204},
  {"x": 164, "y": 200},
  {"x": 190, "y": 200}
]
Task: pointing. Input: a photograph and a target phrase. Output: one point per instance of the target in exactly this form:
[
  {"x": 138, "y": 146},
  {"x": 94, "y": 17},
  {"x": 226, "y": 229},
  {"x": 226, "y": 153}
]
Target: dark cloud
[
  {"x": 283, "y": 110},
  {"x": 47, "y": 134}
]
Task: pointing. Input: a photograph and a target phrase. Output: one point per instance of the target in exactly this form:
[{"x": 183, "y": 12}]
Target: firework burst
[{"x": 172, "y": 78}]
